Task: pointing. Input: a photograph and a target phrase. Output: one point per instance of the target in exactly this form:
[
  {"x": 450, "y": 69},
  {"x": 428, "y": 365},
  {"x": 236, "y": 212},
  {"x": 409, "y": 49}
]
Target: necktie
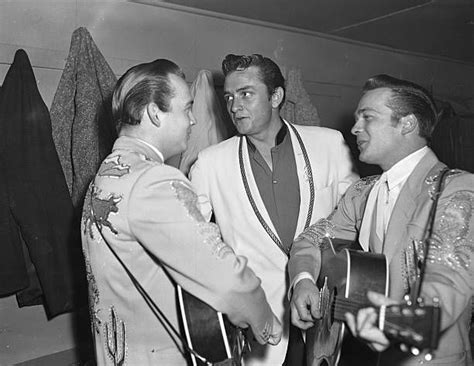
[{"x": 381, "y": 214}]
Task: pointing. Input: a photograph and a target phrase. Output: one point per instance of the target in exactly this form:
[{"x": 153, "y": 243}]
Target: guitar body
[
  {"x": 207, "y": 331},
  {"x": 347, "y": 275}
]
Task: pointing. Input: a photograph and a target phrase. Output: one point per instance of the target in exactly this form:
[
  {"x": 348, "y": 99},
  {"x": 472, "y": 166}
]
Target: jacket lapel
[
  {"x": 406, "y": 204},
  {"x": 303, "y": 180},
  {"x": 254, "y": 192}
]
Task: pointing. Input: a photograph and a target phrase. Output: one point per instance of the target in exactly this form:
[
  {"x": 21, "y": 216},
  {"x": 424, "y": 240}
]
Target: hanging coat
[
  {"x": 81, "y": 116},
  {"x": 297, "y": 107},
  {"x": 35, "y": 202},
  {"x": 211, "y": 126}
]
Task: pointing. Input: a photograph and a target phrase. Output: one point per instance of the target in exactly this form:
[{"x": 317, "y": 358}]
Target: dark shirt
[{"x": 279, "y": 188}]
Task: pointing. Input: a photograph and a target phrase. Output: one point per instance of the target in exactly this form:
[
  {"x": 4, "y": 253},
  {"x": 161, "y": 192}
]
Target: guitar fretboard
[{"x": 342, "y": 305}]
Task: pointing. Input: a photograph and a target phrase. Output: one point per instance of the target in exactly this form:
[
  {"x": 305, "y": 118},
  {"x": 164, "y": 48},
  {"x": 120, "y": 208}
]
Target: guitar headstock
[{"x": 413, "y": 324}]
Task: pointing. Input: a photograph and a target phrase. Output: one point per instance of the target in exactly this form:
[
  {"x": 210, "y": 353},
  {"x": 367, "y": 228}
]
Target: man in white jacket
[{"x": 269, "y": 183}]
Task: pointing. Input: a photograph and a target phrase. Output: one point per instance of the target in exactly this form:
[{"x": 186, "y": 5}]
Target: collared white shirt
[{"x": 396, "y": 177}]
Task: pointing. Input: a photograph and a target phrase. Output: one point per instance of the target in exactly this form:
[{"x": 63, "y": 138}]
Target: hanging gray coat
[{"x": 81, "y": 116}]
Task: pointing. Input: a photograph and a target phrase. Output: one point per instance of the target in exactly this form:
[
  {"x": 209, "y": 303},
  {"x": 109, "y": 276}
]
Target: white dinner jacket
[{"x": 217, "y": 177}]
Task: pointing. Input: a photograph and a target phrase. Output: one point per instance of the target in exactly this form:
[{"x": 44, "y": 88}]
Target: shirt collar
[
  {"x": 155, "y": 150},
  {"x": 281, "y": 134},
  {"x": 279, "y": 138},
  {"x": 401, "y": 170}
]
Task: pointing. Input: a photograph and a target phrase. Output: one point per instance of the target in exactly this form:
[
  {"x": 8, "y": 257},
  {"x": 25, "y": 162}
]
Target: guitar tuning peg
[
  {"x": 415, "y": 351},
  {"x": 428, "y": 357},
  {"x": 407, "y": 300}
]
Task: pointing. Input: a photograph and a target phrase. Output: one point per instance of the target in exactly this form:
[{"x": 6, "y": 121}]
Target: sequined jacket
[
  {"x": 449, "y": 274},
  {"x": 147, "y": 211}
]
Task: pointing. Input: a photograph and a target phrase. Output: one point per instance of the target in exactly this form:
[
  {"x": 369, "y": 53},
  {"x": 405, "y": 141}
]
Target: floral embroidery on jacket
[
  {"x": 411, "y": 258},
  {"x": 316, "y": 233},
  {"x": 432, "y": 180},
  {"x": 189, "y": 199},
  {"x": 94, "y": 296},
  {"x": 210, "y": 231},
  {"x": 212, "y": 238},
  {"x": 364, "y": 182},
  {"x": 452, "y": 245}
]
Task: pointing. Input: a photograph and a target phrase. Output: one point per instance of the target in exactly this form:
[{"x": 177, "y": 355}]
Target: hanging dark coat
[{"x": 34, "y": 200}]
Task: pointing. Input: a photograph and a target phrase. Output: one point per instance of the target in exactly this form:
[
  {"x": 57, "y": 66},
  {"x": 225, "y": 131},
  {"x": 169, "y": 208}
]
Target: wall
[{"x": 129, "y": 32}]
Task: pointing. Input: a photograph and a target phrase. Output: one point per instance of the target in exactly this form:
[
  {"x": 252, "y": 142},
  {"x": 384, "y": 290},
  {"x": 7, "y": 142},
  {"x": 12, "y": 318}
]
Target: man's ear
[
  {"x": 154, "y": 114},
  {"x": 409, "y": 123},
  {"x": 277, "y": 97}
]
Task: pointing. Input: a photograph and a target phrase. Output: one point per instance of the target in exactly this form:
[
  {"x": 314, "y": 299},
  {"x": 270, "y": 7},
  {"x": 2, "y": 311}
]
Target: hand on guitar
[
  {"x": 271, "y": 334},
  {"x": 364, "y": 324},
  {"x": 277, "y": 330},
  {"x": 305, "y": 304}
]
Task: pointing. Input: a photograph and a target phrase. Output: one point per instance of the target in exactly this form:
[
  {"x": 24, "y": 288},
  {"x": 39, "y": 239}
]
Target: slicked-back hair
[
  {"x": 269, "y": 72},
  {"x": 140, "y": 85},
  {"x": 407, "y": 98}
]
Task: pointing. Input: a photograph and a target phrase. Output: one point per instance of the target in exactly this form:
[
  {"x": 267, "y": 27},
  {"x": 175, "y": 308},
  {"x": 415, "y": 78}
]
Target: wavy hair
[{"x": 141, "y": 85}]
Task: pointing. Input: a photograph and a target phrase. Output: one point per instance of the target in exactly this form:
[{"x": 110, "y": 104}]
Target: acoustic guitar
[
  {"x": 344, "y": 281},
  {"x": 209, "y": 334}
]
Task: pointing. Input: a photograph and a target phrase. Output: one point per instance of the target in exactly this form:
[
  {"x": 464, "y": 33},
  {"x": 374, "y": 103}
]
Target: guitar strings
[
  {"x": 348, "y": 305},
  {"x": 342, "y": 306}
]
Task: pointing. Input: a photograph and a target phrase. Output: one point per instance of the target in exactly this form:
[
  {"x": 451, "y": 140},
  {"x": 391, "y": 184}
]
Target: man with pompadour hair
[
  {"x": 268, "y": 183},
  {"x": 418, "y": 213},
  {"x": 143, "y": 232}
]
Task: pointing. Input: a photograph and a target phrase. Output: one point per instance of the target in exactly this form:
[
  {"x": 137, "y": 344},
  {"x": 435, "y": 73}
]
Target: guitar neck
[
  {"x": 344, "y": 305},
  {"x": 417, "y": 325}
]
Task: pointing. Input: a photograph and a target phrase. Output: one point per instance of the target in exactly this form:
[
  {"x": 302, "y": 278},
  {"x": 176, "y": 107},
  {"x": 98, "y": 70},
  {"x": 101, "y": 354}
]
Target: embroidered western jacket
[
  {"x": 148, "y": 213},
  {"x": 449, "y": 273}
]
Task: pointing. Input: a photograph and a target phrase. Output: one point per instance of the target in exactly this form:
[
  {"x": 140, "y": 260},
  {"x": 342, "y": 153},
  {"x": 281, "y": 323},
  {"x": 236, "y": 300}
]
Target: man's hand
[
  {"x": 271, "y": 334},
  {"x": 305, "y": 304},
  {"x": 277, "y": 330},
  {"x": 364, "y": 325}
]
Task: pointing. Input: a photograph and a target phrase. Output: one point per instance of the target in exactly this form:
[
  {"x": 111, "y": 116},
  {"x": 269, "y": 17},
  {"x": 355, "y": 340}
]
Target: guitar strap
[
  {"x": 428, "y": 234},
  {"x": 162, "y": 317}
]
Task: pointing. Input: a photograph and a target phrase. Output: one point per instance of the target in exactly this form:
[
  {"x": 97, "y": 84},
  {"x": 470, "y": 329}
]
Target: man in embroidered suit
[
  {"x": 394, "y": 120},
  {"x": 268, "y": 183},
  {"x": 143, "y": 215}
]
